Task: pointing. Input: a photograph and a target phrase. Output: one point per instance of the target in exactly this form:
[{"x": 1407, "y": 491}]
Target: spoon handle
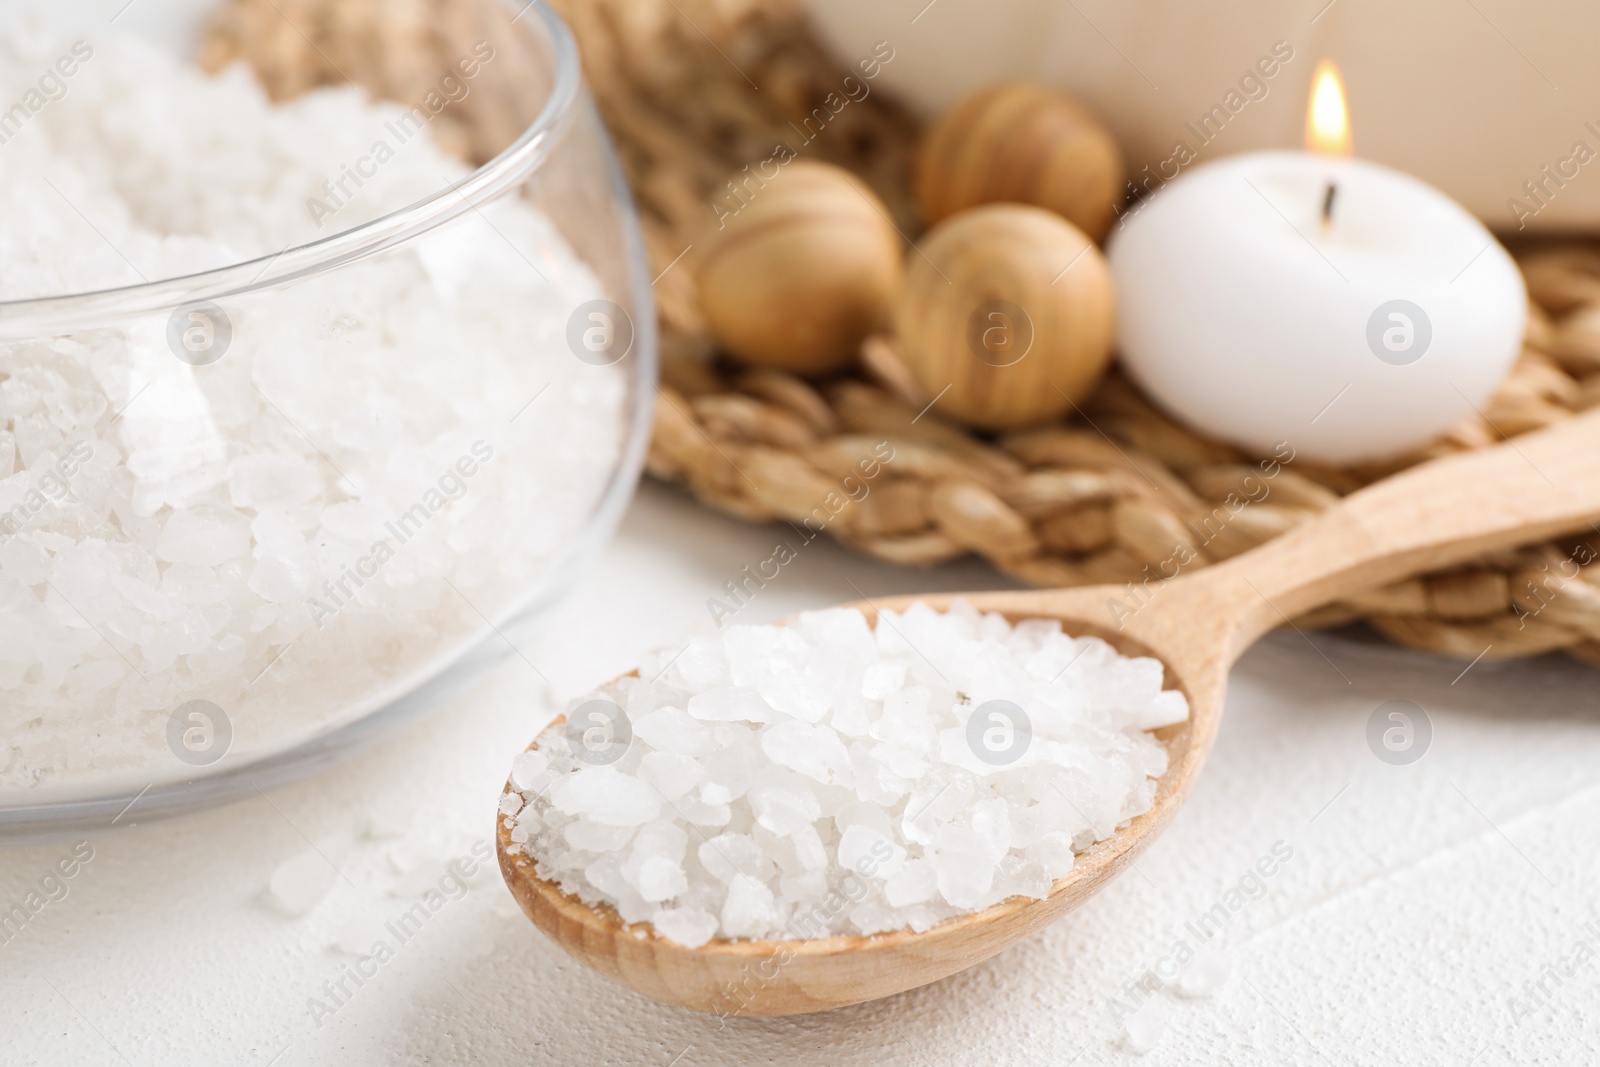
[{"x": 1448, "y": 511}]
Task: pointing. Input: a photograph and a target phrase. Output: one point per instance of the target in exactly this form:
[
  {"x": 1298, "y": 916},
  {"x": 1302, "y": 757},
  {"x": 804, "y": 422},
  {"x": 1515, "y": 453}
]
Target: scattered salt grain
[
  {"x": 827, "y": 778},
  {"x": 1205, "y": 974},
  {"x": 299, "y": 883},
  {"x": 527, "y": 768},
  {"x": 357, "y": 932},
  {"x": 1142, "y": 1030},
  {"x": 690, "y": 927}
]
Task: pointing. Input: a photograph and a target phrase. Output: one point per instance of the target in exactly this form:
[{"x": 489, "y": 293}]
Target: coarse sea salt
[
  {"x": 829, "y": 777},
  {"x": 172, "y": 533}
]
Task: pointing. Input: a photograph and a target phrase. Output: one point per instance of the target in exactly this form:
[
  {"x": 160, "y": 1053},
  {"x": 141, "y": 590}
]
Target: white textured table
[{"x": 1418, "y": 900}]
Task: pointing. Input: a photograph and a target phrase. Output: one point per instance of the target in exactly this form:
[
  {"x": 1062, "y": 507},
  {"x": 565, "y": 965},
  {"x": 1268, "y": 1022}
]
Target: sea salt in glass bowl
[{"x": 255, "y": 518}]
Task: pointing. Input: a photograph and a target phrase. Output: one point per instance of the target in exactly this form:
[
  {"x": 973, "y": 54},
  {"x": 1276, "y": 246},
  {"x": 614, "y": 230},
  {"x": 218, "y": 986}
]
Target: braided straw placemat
[{"x": 693, "y": 90}]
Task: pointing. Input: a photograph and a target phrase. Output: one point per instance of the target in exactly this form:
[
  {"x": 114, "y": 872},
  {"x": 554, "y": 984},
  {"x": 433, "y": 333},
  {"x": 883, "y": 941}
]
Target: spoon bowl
[
  {"x": 1197, "y": 624},
  {"x": 791, "y": 977}
]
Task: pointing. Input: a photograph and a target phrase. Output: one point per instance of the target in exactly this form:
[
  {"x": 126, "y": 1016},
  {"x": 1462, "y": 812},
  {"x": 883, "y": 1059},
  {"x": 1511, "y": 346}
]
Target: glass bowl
[{"x": 257, "y": 518}]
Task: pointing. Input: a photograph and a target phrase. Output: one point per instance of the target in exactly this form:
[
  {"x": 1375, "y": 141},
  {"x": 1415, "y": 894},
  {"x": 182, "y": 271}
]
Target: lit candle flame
[{"x": 1328, "y": 117}]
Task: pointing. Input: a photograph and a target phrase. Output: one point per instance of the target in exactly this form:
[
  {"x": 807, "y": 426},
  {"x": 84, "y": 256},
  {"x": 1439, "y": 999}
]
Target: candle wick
[{"x": 1327, "y": 202}]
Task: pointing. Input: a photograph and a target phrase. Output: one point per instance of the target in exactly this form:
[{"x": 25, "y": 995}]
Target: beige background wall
[{"x": 1473, "y": 96}]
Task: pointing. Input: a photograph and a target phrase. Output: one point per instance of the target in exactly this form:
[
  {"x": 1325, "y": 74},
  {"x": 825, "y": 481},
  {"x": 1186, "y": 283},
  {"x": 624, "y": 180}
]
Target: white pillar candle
[{"x": 1254, "y": 316}]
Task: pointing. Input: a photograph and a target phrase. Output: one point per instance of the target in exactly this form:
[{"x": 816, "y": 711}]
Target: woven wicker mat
[{"x": 693, "y": 90}]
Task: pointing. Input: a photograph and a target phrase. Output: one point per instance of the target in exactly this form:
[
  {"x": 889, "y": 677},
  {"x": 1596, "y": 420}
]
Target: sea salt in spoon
[{"x": 1198, "y": 624}]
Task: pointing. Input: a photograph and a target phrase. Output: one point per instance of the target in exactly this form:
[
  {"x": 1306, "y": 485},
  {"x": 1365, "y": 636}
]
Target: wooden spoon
[{"x": 1197, "y": 624}]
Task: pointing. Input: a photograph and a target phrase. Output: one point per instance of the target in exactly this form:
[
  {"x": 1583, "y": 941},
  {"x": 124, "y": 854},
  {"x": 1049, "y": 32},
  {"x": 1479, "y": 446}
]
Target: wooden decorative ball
[
  {"x": 1026, "y": 144},
  {"x": 802, "y": 271},
  {"x": 1011, "y": 307}
]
